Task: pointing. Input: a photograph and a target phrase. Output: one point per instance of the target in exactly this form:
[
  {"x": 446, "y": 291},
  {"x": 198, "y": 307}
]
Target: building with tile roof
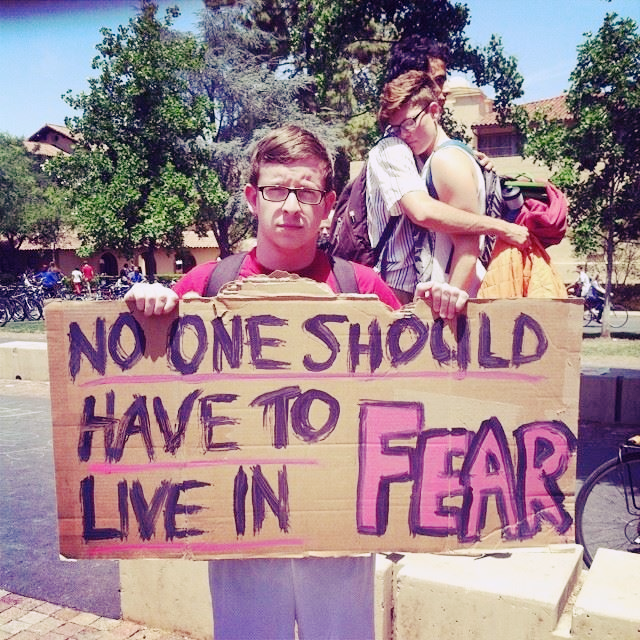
[
  {"x": 472, "y": 108},
  {"x": 52, "y": 140}
]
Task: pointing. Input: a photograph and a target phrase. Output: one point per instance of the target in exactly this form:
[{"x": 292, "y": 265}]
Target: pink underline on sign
[
  {"x": 197, "y": 378},
  {"x": 106, "y": 468},
  {"x": 197, "y": 547}
]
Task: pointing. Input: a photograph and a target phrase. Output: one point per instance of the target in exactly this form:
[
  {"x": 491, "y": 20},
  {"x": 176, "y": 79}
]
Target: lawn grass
[
  {"x": 611, "y": 347},
  {"x": 31, "y": 326}
]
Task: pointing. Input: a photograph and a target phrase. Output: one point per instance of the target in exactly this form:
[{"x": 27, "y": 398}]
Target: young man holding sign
[{"x": 290, "y": 191}]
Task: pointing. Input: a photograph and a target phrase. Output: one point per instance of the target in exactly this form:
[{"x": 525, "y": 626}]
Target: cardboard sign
[{"x": 286, "y": 420}]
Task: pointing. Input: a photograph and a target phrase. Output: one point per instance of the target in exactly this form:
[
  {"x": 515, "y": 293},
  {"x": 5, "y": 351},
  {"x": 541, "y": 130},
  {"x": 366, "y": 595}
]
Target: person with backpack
[
  {"x": 290, "y": 191},
  {"x": 395, "y": 188},
  {"x": 410, "y": 110}
]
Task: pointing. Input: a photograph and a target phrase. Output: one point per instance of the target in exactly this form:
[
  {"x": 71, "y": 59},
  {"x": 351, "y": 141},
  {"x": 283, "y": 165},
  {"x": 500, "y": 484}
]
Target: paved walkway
[{"x": 29, "y": 619}]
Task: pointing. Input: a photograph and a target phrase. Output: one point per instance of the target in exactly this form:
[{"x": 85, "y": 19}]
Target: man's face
[
  {"x": 289, "y": 225},
  {"x": 422, "y": 138},
  {"x": 438, "y": 73}
]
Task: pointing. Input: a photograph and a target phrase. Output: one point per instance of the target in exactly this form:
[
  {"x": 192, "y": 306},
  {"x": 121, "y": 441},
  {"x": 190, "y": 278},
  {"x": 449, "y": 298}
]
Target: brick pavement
[{"x": 24, "y": 618}]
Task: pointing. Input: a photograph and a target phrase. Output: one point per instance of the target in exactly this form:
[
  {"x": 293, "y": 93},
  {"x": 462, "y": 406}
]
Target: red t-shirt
[
  {"x": 87, "y": 271},
  {"x": 319, "y": 270}
]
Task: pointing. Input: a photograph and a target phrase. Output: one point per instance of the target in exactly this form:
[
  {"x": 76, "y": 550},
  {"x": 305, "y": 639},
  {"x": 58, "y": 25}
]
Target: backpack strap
[
  {"x": 431, "y": 187},
  {"x": 387, "y": 232},
  {"x": 345, "y": 275},
  {"x": 389, "y": 228},
  {"x": 226, "y": 270},
  {"x": 382, "y": 248}
]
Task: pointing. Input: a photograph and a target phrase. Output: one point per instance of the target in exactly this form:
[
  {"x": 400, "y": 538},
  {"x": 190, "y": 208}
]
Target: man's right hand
[
  {"x": 152, "y": 299},
  {"x": 516, "y": 235}
]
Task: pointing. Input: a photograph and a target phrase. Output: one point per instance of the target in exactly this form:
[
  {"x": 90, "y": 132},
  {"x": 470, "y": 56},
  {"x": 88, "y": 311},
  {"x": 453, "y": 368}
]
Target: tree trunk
[
  {"x": 150, "y": 261},
  {"x": 606, "y": 329}
]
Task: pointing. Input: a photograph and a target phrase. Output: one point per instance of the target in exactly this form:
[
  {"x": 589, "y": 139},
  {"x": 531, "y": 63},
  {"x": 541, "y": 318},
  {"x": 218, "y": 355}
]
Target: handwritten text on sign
[{"x": 302, "y": 426}]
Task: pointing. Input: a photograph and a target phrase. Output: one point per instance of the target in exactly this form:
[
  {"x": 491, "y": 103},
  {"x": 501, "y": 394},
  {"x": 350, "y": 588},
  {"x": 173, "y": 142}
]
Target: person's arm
[
  {"x": 393, "y": 167},
  {"x": 428, "y": 212},
  {"x": 455, "y": 179}
]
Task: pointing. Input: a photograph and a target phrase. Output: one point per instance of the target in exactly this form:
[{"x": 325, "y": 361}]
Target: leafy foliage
[
  {"x": 597, "y": 159},
  {"x": 30, "y": 207},
  {"x": 17, "y": 189},
  {"x": 249, "y": 96},
  {"x": 343, "y": 46},
  {"x": 139, "y": 178}
]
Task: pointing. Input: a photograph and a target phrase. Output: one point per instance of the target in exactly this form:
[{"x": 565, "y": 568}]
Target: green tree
[
  {"x": 343, "y": 46},
  {"x": 30, "y": 206},
  {"x": 249, "y": 94},
  {"x": 597, "y": 159},
  {"x": 139, "y": 176},
  {"x": 18, "y": 190}
]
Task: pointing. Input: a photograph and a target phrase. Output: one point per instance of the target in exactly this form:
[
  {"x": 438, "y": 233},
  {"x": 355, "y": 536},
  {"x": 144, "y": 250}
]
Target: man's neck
[
  {"x": 441, "y": 136},
  {"x": 275, "y": 259}
]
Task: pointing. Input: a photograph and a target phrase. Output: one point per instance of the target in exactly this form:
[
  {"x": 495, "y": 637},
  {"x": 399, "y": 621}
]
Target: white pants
[{"x": 261, "y": 599}]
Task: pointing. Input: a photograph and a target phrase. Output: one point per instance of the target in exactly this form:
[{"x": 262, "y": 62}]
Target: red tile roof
[
  {"x": 69, "y": 240},
  {"x": 51, "y": 140},
  {"x": 554, "y": 108},
  {"x": 58, "y": 128},
  {"x": 43, "y": 149}
]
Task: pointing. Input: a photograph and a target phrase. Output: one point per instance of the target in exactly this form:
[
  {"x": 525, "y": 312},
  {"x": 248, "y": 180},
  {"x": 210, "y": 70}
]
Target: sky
[{"x": 47, "y": 46}]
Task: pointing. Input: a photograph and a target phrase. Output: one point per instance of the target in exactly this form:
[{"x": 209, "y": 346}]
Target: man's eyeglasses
[
  {"x": 406, "y": 126},
  {"x": 303, "y": 194}
]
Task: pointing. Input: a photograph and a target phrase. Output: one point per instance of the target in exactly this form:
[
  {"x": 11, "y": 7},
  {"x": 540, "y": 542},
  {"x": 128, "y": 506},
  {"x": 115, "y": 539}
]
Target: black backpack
[
  {"x": 227, "y": 270},
  {"x": 349, "y": 233}
]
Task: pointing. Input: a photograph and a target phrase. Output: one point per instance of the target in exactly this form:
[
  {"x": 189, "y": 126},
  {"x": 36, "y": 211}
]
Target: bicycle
[
  {"x": 19, "y": 303},
  {"x": 618, "y": 315},
  {"x": 608, "y": 504}
]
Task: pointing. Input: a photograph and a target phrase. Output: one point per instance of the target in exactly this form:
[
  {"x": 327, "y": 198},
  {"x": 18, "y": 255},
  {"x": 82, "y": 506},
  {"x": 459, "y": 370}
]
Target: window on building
[{"x": 498, "y": 144}]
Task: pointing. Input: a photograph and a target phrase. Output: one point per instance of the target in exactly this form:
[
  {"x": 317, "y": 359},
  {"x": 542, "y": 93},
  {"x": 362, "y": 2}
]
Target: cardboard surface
[{"x": 270, "y": 422}]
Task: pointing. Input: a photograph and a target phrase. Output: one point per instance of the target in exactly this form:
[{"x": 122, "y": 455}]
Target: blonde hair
[
  {"x": 412, "y": 87},
  {"x": 289, "y": 144}
]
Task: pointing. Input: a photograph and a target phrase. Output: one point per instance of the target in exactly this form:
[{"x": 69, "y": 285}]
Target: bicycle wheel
[
  {"x": 17, "y": 310},
  {"x": 5, "y": 312},
  {"x": 33, "y": 309},
  {"x": 607, "y": 513},
  {"x": 618, "y": 316},
  {"x": 587, "y": 316}
]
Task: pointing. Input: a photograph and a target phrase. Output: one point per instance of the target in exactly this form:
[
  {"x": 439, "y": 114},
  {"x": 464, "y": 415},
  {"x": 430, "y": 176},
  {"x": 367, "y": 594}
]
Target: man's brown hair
[
  {"x": 412, "y": 87},
  {"x": 289, "y": 144}
]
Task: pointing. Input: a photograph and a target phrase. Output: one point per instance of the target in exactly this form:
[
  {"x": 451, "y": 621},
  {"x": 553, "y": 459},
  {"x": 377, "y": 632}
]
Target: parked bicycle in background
[{"x": 608, "y": 504}]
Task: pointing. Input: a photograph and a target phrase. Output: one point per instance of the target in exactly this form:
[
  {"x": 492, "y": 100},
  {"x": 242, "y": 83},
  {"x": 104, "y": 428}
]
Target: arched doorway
[
  {"x": 188, "y": 262},
  {"x": 108, "y": 264},
  {"x": 184, "y": 261}
]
